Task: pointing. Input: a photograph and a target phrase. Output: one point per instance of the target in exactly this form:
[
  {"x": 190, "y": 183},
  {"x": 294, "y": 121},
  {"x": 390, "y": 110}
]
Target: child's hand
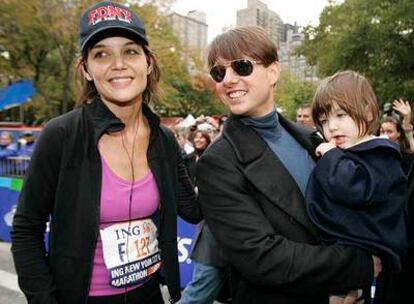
[{"x": 323, "y": 148}]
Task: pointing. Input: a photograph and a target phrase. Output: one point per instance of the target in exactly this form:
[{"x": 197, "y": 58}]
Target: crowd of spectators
[
  {"x": 189, "y": 132},
  {"x": 210, "y": 275},
  {"x": 15, "y": 153}
]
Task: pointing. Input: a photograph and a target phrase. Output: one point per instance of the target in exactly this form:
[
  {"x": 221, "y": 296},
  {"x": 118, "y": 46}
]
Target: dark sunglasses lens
[
  {"x": 218, "y": 72},
  {"x": 242, "y": 67}
]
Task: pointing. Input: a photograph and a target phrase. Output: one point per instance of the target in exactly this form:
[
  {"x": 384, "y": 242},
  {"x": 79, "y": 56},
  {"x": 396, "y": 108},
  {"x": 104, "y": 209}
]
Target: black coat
[
  {"x": 357, "y": 196},
  {"x": 204, "y": 249},
  {"x": 190, "y": 165},
  {"x": 257, "y": 213},
  {"x": 63, "y": 183}
]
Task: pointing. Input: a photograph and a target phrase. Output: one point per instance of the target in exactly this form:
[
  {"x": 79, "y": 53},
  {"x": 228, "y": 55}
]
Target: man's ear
[{"x": 273, "y": 72}]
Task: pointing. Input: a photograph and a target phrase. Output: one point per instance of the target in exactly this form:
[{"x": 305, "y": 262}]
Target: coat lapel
[{"x": 266, "y": 172}]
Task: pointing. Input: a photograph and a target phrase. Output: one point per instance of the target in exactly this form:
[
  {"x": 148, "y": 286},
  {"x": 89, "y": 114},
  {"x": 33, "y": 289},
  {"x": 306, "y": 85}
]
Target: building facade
[
  {"x": 290, "y": 61},
  {"x": 191, "y": 30},
  {"x": 258, "y": 13},
  {"x": 286, "y": 36}
]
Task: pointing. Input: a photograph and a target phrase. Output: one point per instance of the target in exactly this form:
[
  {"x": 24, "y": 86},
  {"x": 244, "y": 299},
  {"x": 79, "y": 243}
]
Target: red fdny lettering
[{"x": 104, "y": 13}]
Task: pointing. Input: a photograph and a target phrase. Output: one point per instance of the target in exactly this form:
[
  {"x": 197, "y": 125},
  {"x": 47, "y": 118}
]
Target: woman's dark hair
[
  {"x": 191, "y": 137},
  {"x": 403, "y": 141}
]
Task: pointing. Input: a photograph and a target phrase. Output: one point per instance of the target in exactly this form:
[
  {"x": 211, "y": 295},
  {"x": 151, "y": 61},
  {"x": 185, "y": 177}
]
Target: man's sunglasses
[{"x": 242, "y": 67}]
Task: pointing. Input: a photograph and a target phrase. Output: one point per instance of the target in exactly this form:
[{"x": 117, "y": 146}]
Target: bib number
[{"x": 131, "y": 252}]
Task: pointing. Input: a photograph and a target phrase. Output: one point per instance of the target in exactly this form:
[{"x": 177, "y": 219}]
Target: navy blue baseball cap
[{"x": 109, "y": 18}]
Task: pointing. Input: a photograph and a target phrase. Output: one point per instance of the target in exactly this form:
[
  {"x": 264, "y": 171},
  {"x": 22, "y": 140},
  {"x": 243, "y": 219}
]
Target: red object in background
[
  {"x": 18, "y": 126},
  {"x": 170, "y": 121},
  {"x": 13, "y": 125}
]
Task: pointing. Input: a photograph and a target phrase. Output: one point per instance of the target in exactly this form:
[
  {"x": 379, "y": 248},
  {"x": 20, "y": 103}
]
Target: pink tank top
[{"x": 114, "y": 207}]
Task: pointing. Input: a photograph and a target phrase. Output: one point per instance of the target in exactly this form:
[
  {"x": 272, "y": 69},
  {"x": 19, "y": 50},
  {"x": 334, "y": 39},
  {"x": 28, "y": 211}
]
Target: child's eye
[{"x": 341, "y": 114}]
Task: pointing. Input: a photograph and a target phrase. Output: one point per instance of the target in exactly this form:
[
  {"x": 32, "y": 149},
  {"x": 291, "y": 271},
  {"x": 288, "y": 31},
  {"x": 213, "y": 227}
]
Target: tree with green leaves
[
  {"x": 291, "y": 92},
  {"x": 41, "y": 38},
  {"x": 183, "y": 92},
  {"x": 373, "y": 37}
]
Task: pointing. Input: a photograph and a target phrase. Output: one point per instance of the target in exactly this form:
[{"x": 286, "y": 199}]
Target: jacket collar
[
  {"x": 236, "y": 133},
  {"x": 266, "y": 172},
  {"x": 105, "y": 121}
]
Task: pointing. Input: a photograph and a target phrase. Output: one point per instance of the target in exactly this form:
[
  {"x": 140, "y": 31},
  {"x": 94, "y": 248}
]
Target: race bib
[{"x": 131, "y": 252}]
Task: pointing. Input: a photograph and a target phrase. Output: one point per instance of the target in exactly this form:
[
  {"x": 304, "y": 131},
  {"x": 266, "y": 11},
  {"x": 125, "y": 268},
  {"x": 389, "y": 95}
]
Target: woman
[
  {"x": 200, "y": 141},
  {"x": 209, "y": 273},
  {"x": 392, "y": 128},
  {"x": 108, "y": 176}
]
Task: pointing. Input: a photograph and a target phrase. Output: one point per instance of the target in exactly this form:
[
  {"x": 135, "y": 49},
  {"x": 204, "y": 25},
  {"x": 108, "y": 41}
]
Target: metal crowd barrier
[{"x": 14, "y": 166}]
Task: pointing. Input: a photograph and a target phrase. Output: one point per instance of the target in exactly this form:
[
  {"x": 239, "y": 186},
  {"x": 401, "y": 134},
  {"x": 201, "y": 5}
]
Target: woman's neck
[{"x": 130, "y": 114}]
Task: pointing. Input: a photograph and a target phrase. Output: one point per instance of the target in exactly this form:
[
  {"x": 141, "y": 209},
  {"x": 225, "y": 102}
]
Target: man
[
  {"x": 27, "y": 143},
  {"x": 251, "y": 182},
  {"x": 26, "y": 147},
  {"x": 304, "y": 115}
]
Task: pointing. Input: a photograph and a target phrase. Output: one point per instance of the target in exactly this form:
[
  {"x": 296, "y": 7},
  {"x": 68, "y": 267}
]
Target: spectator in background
[
  {"x": 396, "y": 130},
  {"x": 208, "y": 124},
  {"x": 209, "y": 273},
  {"x": 393, "y": 129},
  {"x": 26, "y": 144},
  {"x": 182, "y": 139},
  {"x": 304, "y": 115},
  {"x": 222, "y": 122},
  {"x": 397, "y": 287},
  {"x": 200, "y": 141},
  {"x": 7, "y": 149}
]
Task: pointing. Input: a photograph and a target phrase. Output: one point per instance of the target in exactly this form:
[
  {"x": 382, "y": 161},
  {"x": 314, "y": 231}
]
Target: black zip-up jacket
[{"x": 63, "y": 184}]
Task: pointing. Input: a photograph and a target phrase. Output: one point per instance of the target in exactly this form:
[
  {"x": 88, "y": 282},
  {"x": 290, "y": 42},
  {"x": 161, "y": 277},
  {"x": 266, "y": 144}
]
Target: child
[{"x": 357, "y": 191}]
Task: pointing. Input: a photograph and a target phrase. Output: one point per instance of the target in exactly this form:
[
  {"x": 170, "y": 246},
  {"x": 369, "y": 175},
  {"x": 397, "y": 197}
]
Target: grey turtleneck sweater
[{"x": 294, "y": 157}]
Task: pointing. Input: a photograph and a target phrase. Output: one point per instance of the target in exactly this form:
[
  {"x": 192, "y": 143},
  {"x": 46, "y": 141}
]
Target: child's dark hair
[{"x": 352, "y": 93}]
